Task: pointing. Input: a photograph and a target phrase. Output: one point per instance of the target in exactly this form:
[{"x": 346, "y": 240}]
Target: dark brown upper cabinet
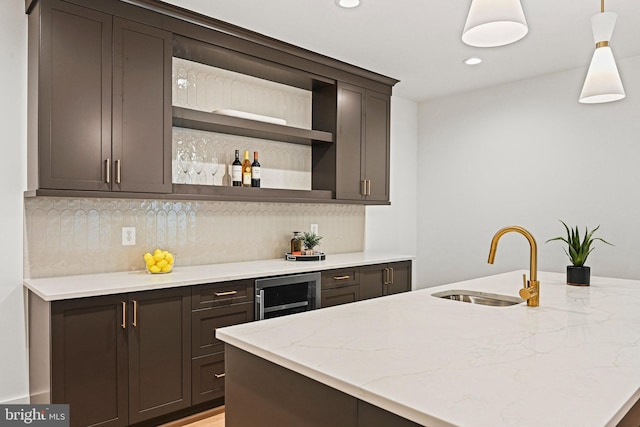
[
  {"x": 103, "y": 101},
  {"x": 362, "y": 144},
  {"x": 356, "y": 167},
  {"x": 100, "y": 112}
]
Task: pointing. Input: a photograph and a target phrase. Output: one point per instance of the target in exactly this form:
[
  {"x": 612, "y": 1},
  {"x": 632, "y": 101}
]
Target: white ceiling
[{"x": 418, "y": 41}]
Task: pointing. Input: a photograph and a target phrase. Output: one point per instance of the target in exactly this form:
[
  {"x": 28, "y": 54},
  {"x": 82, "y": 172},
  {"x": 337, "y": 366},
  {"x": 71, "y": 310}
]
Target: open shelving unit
[{"x": 212, "y": 122}]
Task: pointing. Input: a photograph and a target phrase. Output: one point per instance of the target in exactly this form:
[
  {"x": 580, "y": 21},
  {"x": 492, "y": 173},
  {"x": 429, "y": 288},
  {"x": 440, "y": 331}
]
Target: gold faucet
[{"x": 531, "y": 290}]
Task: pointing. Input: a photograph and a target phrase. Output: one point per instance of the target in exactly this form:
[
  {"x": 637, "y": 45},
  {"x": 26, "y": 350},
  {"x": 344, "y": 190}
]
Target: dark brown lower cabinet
[
  {"x": 89, "y": 360},
  {"x": 230, "y": 303},
  {"x": 340, "y": 286},
  {"x": 121, "y": 359},
  {"x": 385, "y": 279},
  {"x": 261, "y": 393}
]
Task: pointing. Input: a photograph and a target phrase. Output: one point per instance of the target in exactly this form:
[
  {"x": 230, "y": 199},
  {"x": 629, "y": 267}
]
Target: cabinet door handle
[
  {"x": 368, "y": 187},
  {"x": 391, "y": 280},
  {"x": 108, "y": 170},
  {"x": 124, "y": 315},
  {"x": 218, "y": 376},
  {"x": 118, "y": 172},
  {"x": 363, "y": 189},
  {"x": 341, "y": 277},
  {"x": 135, "y": 313},
  {"x": 225, "y": 294}
]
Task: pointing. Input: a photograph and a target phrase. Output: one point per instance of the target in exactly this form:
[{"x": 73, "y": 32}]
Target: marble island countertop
[
  {"x": 572, "y": 361},
  {"x": 88, "y": 285}
]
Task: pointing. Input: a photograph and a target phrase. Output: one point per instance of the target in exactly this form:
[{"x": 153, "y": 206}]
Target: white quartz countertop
[
  {"x": 87, "y": 285},
  {"x": 572, "y": 361}
]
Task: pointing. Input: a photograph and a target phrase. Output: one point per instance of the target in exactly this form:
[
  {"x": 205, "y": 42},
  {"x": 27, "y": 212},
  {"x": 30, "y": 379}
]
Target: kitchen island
[{"x": 422, "y": 360}]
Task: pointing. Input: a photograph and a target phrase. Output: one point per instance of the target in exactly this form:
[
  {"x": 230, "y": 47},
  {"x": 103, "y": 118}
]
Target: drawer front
[
  {"x": 221, "y": 294},
  {"x": 340, "y": 277},
  {"x": 205, "y": 322},
  {"x": 207, "y": 378},
  {"x": 342, "y": 295}
]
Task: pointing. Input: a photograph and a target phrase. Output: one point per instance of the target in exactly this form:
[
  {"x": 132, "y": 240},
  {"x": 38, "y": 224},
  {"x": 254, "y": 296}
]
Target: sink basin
[{"x": 475, "y": 297}]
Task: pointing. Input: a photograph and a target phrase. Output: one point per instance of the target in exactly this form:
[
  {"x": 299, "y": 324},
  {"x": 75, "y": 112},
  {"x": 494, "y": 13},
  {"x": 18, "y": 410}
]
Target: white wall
[
  {"x": 13, "y": 117},
  {"x": 528, "y": 154},
  {"x": 393, "y": 228}
]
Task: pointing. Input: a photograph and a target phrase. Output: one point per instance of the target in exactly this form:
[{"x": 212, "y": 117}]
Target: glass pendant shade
[
  {"x": 603, "y": 83},
  {"x": 493, "y": 23}
]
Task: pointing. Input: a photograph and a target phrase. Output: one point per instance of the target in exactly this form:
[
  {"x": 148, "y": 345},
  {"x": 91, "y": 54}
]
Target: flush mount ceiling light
[
  {"x": 348, "y": 4},
  {"x": 602, "y": 83},
  {"x": 492, "y": 23}
]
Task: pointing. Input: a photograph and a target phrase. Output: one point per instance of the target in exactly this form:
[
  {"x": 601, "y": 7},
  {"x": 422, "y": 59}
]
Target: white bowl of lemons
[{"x": 159, "y": 261}]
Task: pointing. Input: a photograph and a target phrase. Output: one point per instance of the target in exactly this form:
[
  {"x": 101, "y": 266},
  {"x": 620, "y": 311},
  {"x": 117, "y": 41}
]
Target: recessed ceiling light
[
  {"x": 348, "y": 3},
  {"x": 473, "y": 61}
]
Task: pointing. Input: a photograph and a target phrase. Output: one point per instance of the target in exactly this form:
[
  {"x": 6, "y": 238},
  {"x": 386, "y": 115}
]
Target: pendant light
[
  {"x": 602, "y": 83},
  {"x": 493, "y": 23}
]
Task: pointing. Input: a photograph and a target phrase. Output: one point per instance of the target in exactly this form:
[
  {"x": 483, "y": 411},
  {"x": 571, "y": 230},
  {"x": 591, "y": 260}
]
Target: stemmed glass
[
  {"x": 184, "y": 163},
  {"x": 199, "y": 154},
  {"x": 214, "y": 163}
]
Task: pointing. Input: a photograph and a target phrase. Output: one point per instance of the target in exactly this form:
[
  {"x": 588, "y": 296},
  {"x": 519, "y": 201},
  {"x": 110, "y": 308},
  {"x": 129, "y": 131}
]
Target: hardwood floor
[{"x": 211, "y": 418}]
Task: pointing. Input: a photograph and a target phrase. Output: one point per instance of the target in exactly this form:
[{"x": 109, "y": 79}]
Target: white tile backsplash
[{"x": 66, "y": 236}]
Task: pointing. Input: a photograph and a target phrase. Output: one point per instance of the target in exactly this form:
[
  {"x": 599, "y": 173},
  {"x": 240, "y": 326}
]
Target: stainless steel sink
[{"x": 475, "y": 297}]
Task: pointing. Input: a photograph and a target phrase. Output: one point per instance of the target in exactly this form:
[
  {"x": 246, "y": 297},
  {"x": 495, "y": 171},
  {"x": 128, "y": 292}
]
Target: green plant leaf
[{"x": 578, "y": 249}]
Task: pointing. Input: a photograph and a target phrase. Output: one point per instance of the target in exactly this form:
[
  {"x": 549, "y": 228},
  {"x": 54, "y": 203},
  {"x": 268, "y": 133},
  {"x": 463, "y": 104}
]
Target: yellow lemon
[
  {"x": 167, "y": 268},
  {"x": 147, "y": 256},
  {"x": 163, "y": 263},
  {"x": 159, "y": 256},
  {"x": 157, "y": 251},
  {"x": 169, "y": 258},
  {"x": 154, "y": 269},
  {"x": 151, "y": 261}
]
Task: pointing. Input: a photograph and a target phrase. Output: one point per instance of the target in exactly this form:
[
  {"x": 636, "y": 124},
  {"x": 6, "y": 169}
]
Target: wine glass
[
  {"x": 184, "y": 163},
  {"x": 214, "y": 162},
  {"x": 199, "y": 154}
]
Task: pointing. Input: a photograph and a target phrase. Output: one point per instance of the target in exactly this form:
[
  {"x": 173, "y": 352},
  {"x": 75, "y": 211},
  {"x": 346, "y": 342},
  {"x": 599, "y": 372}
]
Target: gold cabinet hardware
[
  {"x": 135, "y": 313},
  {"x": 386, "y": 276},
  {"x": 124, "y": 315},
  {"x": 225, "y": 294},
  {"x": 363, "y": 189},
  {"x": 368, "y": 187},
  {"x": 218, "y": 376},
  {"x": 391, "y": 279},
  {"x": 118, "y": 172},
  {"x": 341, "y": 277},
  {"x": 108, "y": 170}
]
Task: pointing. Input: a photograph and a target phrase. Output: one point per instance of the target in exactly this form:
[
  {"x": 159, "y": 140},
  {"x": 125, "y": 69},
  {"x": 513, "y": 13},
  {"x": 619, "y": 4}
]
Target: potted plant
[
  {"x": 578, "y": 274},
  {"x": 310, "y": 241}
]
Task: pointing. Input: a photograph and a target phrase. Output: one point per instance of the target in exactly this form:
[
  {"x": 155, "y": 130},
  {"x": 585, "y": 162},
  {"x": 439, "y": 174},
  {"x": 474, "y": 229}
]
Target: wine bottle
[
  {"x": 236, "y": 171},
  {"x": 255, "y": 171},
  {"x": 246, "y": 170}
]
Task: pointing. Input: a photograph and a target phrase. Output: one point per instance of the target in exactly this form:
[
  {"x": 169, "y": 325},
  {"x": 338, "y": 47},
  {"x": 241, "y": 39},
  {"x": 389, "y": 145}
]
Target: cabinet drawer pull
[
  {"x": 225, "y": 294},
  {"x": 386, "y": 276},
  {"x": 391, "y": 280},
  {"x": 218, "y": 376},
  {"x": 341, "y": 277},
  {"x": 135, "y": 313},
  {"x": 363, "y": 190},
  {"x": 124, "y": 315},
  {"x": 368, "y": 193},
  {"x": 118, "y": 172},
  {"x": 108, "y": 170}
]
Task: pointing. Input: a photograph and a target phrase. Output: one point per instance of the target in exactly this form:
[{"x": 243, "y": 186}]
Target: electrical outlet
[
  {"x": 314, "y": 228},
  {"x": 128, "y": 236}
]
